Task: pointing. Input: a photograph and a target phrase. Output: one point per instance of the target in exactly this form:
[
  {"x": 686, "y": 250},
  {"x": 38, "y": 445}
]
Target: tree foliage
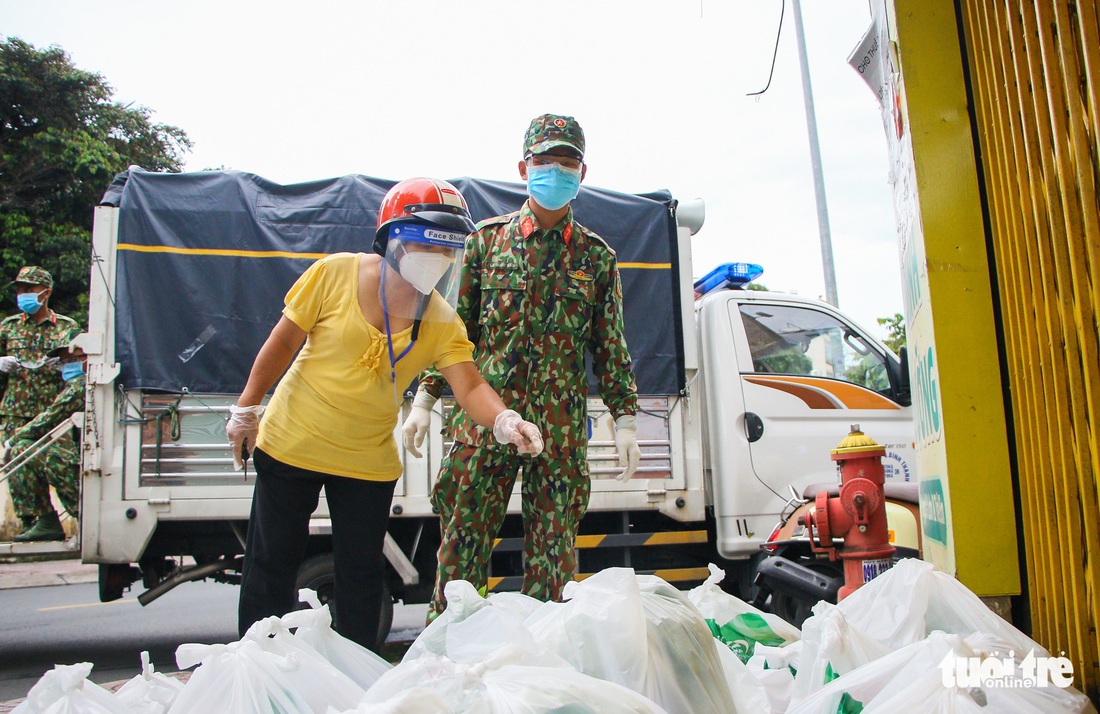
[
  {"x": 62, "y": 140},
  {"x": 895, "y": 325}
]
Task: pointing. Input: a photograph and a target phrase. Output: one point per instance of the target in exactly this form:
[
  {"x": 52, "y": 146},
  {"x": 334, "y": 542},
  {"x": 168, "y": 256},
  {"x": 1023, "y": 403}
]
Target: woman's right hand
[
  {"x": 242, "y": 429},
  {"x": 510, "y": 428}
]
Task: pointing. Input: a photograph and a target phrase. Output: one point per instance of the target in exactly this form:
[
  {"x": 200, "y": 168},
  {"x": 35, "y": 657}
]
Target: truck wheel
[
  {"x": 316, "y": 573},
  {"x": 115, "y": 579}
]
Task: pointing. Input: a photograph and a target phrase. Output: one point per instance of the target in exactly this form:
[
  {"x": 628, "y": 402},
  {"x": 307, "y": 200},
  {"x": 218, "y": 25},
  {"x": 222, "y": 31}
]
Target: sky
[{"x": 296, "y": 91}]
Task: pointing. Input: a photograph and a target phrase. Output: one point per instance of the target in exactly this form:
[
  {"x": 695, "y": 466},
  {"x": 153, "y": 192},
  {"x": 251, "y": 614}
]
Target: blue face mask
[
  {"x": 553, "y": 186},
  {"x": 28, "y": 302},
  {"x": 71, "y": 370}
]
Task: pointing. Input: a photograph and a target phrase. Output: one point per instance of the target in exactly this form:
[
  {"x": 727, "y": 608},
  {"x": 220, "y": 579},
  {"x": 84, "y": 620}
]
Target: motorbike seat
[{"x": 908, "y": 491}]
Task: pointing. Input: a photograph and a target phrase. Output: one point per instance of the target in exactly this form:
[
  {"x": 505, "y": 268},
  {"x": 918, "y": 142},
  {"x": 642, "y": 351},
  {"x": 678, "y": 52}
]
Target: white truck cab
[{"x": 784, "y": 379}]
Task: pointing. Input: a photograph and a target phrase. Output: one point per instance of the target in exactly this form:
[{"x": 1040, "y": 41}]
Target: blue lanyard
[{"x": 389, "y": 338}]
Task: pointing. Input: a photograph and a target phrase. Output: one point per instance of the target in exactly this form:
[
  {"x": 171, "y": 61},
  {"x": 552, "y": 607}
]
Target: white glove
[
  {"x": 7, "y": 452},
  {"x": 510, "y": 428},
  {"x": 8, "y": 364},
  {"x": 416, "y": 424},
  {"x": 626, "y": 443},
  {"x": 242, "y": 429}
]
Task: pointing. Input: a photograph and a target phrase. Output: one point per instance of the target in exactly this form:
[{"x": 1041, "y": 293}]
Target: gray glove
[{"x": 8, "y": 364}]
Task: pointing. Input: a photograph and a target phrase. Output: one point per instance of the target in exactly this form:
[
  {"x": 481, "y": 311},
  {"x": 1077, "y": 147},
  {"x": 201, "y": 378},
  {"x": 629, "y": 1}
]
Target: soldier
[
  {"x": 27, "y": 388},
  {"x": 539, "y": 290},
  {"x": 58, "y": 465}
]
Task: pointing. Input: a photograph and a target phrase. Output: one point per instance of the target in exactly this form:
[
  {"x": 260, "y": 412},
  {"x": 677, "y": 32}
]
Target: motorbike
[{"x": 792, "y": 578}]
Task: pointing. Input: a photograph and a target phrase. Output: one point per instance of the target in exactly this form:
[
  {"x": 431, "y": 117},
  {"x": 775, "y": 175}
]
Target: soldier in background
[
  {"x": 539, "y": 290},
  {"x": 57, "y": 465},
  {"x": 26, "y": 385}
]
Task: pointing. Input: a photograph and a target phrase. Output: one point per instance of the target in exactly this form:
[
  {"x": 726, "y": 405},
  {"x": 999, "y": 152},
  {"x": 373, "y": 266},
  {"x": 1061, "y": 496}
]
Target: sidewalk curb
[{"x": 46, "y": 573}]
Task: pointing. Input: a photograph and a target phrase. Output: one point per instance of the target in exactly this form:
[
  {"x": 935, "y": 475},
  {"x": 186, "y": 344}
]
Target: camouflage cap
[
  {"x": 61, "y": 346},
  {"x": 33, "y": 275},
  {"x": 550, "y": 130}
]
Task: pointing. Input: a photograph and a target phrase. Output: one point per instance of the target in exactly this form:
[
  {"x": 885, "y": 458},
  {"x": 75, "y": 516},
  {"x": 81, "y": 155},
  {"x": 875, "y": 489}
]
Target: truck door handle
[{"x": 754, "y": 427}]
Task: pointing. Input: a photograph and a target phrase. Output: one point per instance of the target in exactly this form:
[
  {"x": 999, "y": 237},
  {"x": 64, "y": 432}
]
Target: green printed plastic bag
[
  {"x": 743, "y": 632},
  {"x": 735, "y": 622}
]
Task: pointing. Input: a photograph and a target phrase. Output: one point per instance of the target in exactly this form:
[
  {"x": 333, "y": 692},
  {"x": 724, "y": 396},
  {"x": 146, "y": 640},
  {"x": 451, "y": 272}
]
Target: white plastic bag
[
  {"x": 774, "y": 668},
  {"x": 912, "y": 599},
  {"x": 735, "y": 622},
  {"x": 498, "y": 686},
  {"x": 150, "y": 692},
  {"x": 913, "y": 679},
  {"x": 685, "y": 673},
  {"x": 314, "y": 627},
  {"x": 926, "y": 694},
  {"x": 747, "y": 690},
  {"x": 267, "y": 670},
  {"x": 516, "y": 602},
  {"x": 410, "y": 701},
  {"x": 472, "y": 629},
  {"x": 519, "y": 689},
  {"x": 600, "y": 630},
  {"x": 831, "y": 647},
  {"x": 65, "y": 689},
  {"x": 463, "y": 600},
  {"x": 855, "y": 688},
  {"x": 640, "y": 632},
  {"x": 456, "y": 684}
]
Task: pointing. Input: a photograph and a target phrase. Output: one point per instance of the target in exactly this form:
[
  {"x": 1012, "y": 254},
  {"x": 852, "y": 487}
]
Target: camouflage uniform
[
  {"x": 58, "y": 465},
  {"x": 27, "y": 392},
  {"x": 534, "y": 302}
]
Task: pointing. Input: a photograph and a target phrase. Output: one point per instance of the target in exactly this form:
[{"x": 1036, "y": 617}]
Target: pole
[{"x": 815, "y": 161}]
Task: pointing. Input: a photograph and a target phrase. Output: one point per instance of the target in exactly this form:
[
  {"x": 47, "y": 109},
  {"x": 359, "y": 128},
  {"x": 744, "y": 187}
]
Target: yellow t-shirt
[{"x": 334, "y": 409}]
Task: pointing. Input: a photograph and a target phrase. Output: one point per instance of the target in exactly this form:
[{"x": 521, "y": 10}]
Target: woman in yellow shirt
[{"x": 369, "y": 323}]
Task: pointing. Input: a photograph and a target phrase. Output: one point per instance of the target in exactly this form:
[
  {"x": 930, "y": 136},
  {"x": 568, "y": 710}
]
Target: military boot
[{"x": 47, "y": 527}]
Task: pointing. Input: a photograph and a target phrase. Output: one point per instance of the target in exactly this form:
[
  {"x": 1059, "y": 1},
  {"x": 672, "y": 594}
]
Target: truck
[{"x": 743, "y": 393}]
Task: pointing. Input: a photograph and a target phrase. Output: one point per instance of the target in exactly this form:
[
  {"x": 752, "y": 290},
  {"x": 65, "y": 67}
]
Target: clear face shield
[{"x": 420, "y": 278}]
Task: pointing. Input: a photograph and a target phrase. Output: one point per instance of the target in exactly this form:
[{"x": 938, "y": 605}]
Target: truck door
[{"x": 807, "y": 375}]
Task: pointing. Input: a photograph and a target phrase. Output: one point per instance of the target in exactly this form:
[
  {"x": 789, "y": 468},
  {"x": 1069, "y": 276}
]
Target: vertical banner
[
  {"x": 911, "y": 59},
  {"x": 874, "y": 59}
]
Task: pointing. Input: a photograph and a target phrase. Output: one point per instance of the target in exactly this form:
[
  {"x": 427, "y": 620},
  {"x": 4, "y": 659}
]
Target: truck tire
[{"x": 316, "y": 573}]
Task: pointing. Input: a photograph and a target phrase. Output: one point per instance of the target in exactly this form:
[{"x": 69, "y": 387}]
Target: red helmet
[{"x": 427, "y": 201}]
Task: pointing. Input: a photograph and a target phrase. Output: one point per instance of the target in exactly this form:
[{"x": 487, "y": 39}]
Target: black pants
[{"x": 278, "y": 531}]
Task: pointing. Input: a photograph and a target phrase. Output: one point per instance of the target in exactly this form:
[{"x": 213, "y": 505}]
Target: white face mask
[{"x": 423, "y": 270}]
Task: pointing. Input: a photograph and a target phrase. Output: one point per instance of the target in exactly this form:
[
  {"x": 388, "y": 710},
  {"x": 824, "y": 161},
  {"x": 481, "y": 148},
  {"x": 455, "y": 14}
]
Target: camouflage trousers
[
  {"x": 472, "y": 495},
  {"x": 58, "y": 465}
]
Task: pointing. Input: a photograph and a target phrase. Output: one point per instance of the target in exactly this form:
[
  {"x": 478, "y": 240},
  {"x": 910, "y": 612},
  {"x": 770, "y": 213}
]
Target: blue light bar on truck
[{"x": 727, "y": 275}]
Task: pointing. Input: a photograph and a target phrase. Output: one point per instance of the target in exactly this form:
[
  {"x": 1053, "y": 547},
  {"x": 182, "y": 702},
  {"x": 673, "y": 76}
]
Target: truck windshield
[{"x": 794, "y": 340}]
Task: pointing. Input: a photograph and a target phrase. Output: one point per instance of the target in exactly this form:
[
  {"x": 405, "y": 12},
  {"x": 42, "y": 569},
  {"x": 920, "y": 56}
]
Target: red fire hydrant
[{"x": 857, "y": 515}]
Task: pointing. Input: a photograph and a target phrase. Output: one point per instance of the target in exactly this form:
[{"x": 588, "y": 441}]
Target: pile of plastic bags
[
  {"x": 899, "y": 643},
  {"x": 619, "y": 642}
]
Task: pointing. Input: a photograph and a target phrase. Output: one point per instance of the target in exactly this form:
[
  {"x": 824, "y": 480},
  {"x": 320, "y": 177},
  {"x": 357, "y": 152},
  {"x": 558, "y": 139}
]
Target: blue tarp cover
[{"x": 205, "y": 259}]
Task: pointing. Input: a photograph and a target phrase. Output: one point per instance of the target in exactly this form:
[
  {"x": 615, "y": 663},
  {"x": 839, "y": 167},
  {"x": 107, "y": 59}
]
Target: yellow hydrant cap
[{"x": 857, "y": 443}]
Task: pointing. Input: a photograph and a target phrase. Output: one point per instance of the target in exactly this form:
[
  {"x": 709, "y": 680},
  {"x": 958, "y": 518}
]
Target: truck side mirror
[{"x": 902, "y": 391}]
